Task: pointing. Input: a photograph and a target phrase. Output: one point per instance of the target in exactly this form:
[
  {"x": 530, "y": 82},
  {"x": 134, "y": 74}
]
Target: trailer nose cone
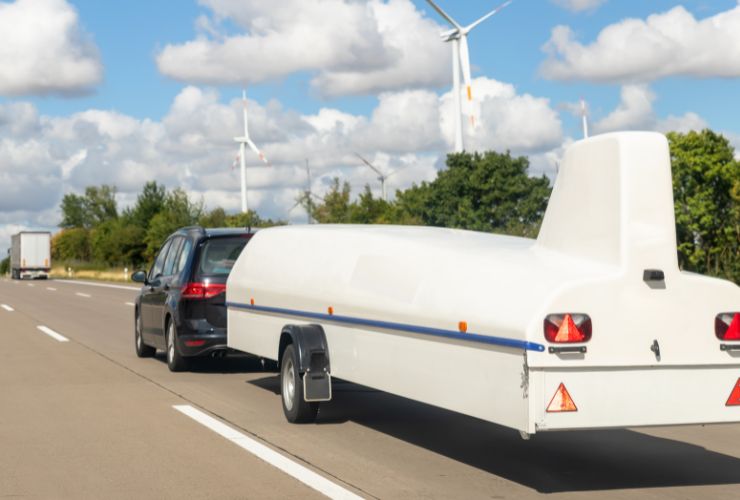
[{"x": 561, "y": 402}]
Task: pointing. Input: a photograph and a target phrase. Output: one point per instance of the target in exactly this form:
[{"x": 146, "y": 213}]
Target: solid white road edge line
[
  {"x": 83, "y": 295},
  {"x": 7, "y": 307},
  {"x": 294, "y": 469},
  {"x": 51, "y": 333},
  {"x": 101, "y": 285}
]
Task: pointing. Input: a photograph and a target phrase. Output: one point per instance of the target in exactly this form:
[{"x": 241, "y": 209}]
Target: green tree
[
  {"x": 96, "y": 206},
  {"x": 336, "y": 207},
  {"x": 5, "y": 265},
  {"x": 149, "y": 203},
  {"x": 178, "y": 211},
  {"x": 706, "y": 180},
  {"x": 116, "y": 241},
  {"x": 484, "y": 192},
  {"x": 214, "y": 218},
  {"x": 73, "y": 211},
  {"x": 71, "y": 244},
  {"x": 251, "y": 219}
]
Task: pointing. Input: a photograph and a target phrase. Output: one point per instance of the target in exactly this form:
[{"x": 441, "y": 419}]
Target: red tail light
[
  {"x": 202, "y": 290},
  {"x": 727, "y": 326},
  {"x": 568, "y": 328}
]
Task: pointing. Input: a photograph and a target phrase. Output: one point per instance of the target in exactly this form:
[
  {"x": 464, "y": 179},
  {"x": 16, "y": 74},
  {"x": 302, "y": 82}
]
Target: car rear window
[{"x": 218, "y": 256}]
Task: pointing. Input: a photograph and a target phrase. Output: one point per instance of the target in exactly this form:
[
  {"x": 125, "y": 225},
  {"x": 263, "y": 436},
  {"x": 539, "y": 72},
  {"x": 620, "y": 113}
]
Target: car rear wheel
[
  {"x": 296, "y": 409},
  {"x": 176, "y": 362},
  {"x": 142, "y": 350}
]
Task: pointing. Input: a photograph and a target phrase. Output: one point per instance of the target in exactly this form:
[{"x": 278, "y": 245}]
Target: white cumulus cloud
[
  {"x": 350, "y": 47},
  {"x": 44, "y": 51},
  {"x": 635, "y": 112},
  {"x": 673, "y": 43}
]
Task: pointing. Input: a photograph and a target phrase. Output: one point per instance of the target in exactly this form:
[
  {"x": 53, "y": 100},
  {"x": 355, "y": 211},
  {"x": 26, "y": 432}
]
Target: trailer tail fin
[{"x": 613, "y": 202}]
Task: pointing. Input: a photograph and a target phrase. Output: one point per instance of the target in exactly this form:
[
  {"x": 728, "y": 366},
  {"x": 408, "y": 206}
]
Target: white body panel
[
  {"x": 31, "y": 254},
  {"x": 397, "y": 295}
]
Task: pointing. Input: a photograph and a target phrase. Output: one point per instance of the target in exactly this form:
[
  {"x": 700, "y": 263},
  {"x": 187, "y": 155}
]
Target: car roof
[{"x": 215, "y": 231}]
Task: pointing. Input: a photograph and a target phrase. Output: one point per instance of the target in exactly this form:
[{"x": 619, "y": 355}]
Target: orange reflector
[
  {"x": 331, "y": 310},
  {"x": 734, "y": 399},
  {"x": 251, "y": 301},
  {"x": 561, "y": 401},
  {"x": 470, "y": 93},
  {"x": 463, "y": 326}
]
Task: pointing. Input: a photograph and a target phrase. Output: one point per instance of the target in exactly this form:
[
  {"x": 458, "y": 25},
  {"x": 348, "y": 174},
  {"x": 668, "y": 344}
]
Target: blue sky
[
  {"x": 509, "y": 48},
  {"x": 125, "y": 92}
]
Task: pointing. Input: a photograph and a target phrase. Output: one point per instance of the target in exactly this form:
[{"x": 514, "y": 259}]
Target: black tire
[
  {"x": 176, "y": 362},
  {"x": 296, "y": 409},
  {"x": 142, "y": 350}
]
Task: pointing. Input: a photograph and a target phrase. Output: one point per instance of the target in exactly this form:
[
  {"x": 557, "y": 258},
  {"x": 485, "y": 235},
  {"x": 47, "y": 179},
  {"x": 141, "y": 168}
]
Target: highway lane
[{"x": 368, "y": 442}]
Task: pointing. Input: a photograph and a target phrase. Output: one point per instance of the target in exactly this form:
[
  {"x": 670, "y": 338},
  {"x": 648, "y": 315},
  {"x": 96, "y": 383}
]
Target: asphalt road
[{"x": 86, "y": 418}]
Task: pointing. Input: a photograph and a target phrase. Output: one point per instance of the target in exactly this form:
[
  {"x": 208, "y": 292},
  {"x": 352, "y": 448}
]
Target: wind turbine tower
[
  {"x": 584, "y": 119},
  {"x": 458, "y": 35},
  {"x": 245, "y": 142}
]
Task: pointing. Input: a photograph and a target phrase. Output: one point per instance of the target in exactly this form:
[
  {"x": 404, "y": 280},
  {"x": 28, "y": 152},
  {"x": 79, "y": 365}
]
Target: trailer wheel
[
  {"x": 142, "y": 350},
  {"x": 296, "y": 409}
]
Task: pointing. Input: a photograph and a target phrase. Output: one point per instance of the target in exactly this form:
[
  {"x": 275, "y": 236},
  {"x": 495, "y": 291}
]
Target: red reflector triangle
[
  {"x": 562, "y": 402},
  {"x": 733, "y": 331},
  {"x": 568, "y": 331},
  {"x": 734, "y": 399}
]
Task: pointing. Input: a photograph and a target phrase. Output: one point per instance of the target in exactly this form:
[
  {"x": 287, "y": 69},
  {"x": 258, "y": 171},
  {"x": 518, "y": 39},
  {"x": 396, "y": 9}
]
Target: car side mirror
[{"x": 139, "y": 277}]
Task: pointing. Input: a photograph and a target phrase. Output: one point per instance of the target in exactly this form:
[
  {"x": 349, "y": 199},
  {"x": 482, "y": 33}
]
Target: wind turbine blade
[
  {"x": 259, "y": 153},
  {"x": 369, "y": 164},
  {"x": 244, "y": 113},
  {"x": 444, "y": 14},
  {"x": 495, "y": 11}
]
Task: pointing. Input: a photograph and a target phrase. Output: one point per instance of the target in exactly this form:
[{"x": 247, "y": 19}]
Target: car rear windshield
[{"x": 218, "y": 256}]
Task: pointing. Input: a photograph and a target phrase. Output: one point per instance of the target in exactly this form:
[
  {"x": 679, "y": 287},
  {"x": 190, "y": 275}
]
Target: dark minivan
[{"x": 181, "y": 307}]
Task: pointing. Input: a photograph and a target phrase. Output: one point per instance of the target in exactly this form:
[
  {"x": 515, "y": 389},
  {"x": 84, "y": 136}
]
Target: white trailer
[
  {"x": 591, "y": 325},
  {"x": 30, "y": 255}
]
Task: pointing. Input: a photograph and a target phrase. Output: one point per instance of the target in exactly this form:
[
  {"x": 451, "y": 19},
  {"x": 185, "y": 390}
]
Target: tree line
[
  {"x": 95, "y": 231},
  {"x": 489, "y": 192}
]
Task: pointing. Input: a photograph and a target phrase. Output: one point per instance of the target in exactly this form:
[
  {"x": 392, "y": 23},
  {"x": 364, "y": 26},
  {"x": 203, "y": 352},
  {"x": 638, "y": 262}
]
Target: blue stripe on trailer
[{"x": 388, "y": 325}]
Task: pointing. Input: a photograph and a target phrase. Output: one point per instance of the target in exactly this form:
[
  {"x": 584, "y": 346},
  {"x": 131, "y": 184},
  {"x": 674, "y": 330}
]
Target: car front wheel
[{"x": 142, "y": 350}]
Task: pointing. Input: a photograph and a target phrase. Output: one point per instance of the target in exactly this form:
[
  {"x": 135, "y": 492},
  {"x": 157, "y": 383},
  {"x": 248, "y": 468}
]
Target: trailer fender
[{"x": 312, "y": 349}]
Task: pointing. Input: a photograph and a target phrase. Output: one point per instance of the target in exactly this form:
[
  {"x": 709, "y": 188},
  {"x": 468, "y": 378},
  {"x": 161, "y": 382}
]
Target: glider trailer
[{"x": 591, "y": 325}]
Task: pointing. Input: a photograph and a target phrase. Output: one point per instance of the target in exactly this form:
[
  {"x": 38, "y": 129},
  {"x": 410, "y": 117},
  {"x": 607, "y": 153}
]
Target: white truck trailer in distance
[
  {"x": 591, "y": 325},
  {"x": 30, "y": 255}
]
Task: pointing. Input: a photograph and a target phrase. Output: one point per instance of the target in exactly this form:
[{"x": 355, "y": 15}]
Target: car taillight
[
  {"x": 202, "y": 290},
  {"x": 727, "y": 326},
  {"x": 568, "y": 328}
]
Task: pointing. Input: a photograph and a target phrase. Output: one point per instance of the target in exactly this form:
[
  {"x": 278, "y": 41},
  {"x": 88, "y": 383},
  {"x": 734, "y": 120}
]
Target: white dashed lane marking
[
  {"x": 7, "y": 307},
  {"x": 79, "y": 294},
  {"x": 294, "y": 469},
  {"x": 51, "y": 333}
]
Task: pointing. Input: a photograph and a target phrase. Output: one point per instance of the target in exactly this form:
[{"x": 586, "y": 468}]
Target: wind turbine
[
  {"x": 307, "y": 196},
  {"x": 461, "y": 60},
  {"x": 381, "y": 176},
  {"x": 584, "y": 119},
  {"x": 245, "y": 141}
]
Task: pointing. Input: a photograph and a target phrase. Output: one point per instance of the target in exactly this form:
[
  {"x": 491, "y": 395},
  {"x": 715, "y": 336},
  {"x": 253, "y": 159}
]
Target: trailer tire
[
  {"x": 296, "y": 409},
  {"x": 142, "y": 350}
]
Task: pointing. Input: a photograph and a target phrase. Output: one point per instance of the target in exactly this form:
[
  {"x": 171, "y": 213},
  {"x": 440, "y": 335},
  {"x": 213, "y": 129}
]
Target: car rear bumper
[
  {"x": 647, "y": 396},
  {"x": 201, "y": 341}
]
